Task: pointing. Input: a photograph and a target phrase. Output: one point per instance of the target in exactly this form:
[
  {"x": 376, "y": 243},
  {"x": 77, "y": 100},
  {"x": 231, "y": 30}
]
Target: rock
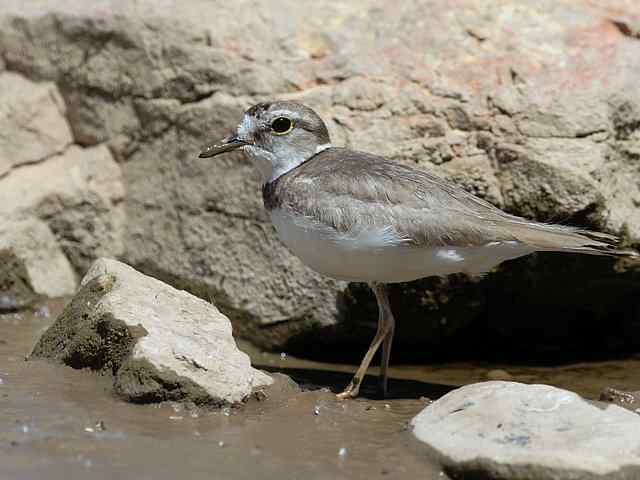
[
  {"x": 78, "y": 194},
  {"x": 628, "y": 400},
  {"x": 543, "y": 123},
  {"x": 38, "y": 262},
  {"x": 159, "y": 343},
  {"x": 16, "y": 291},
  {"x": 507, "y": 430},
  {"x": 32, "y": 121}
]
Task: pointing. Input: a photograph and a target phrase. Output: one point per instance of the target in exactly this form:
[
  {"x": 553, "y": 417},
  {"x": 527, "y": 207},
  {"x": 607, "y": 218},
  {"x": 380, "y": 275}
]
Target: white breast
[{"x": 367, "y": 254}]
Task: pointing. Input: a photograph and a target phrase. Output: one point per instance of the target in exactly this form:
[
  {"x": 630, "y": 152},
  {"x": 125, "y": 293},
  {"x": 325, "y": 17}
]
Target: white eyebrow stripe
[{"x": 286, "y": 113}]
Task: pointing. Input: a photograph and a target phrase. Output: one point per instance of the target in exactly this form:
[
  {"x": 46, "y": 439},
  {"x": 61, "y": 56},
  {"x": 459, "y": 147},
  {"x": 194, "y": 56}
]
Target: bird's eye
[{"x": 281, "y": 125}]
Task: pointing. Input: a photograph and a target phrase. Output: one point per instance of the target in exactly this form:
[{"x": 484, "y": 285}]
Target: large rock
[
  {"x": 35, "y": 262},
  {"x": 32, "y": 121},
  {"x": 507, "y": 430},
  {"x": 78, "y": 194},
  {"x": 544, "y": 123},
  {"x": 160, "y": 343}
]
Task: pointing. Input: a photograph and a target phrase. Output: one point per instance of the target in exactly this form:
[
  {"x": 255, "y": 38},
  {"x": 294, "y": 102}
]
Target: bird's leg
[
  {"x": 386, "y": 346},
  {"x": 385, "y": 327}
]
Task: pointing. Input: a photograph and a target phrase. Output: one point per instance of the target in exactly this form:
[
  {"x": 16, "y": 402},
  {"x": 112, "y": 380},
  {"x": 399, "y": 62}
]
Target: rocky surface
[
  {"x": 531, "y": 105},
  {"x": 16, "y": 291},
  {"x": 159, "y": 343},
  {"x": 32, "y": 121},
  {"x": 32, "y": 264},
  {"x": 628, "y": 400},
  {"x": 507, "y": 430}
]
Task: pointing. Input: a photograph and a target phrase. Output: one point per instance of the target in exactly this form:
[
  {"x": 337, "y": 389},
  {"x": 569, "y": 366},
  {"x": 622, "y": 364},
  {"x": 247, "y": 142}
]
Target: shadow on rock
[{"x": 541, "y": 309}]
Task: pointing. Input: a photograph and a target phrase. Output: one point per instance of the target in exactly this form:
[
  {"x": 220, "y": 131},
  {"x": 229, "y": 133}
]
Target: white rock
[
  {"x": 66, "y": 179},
  {"x": 79, "y": 193},
  {"x": 529, "y": 431},
  {"x": 32, "y": 121},
  {"x": 161, "y": 343},
  {"x": 32, "y": 242}
]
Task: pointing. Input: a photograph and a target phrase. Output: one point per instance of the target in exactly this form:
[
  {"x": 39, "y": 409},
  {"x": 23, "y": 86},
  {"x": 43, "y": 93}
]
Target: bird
[{"x": 359, "y": 217}]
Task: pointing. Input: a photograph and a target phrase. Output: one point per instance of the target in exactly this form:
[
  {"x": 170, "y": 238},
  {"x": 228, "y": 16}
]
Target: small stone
[
  {"x": 260, "y": 395},
  {"x": 342, "y": 452},
  {"x": 283, "y": 356},
  {"x": 221, "y": 444},
  {"x": 316, "y": 410},
  {"x": 89, "y": 429}
]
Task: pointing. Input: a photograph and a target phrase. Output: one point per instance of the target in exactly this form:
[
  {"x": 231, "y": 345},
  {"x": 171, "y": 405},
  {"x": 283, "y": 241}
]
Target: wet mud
[{"x": 57, "y": 422}]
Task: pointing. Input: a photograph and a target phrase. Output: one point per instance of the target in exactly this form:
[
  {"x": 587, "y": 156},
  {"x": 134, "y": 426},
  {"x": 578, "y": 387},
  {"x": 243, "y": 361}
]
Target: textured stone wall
[{"x": 533, "y": 105}]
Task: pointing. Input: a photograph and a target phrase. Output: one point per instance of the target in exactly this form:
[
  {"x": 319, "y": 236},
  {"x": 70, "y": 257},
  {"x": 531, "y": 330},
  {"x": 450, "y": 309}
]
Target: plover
[{"x": 359, "y": 217}]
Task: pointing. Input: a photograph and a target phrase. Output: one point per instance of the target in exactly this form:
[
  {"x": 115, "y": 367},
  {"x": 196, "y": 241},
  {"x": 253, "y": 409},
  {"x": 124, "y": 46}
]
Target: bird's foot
[{"x": 351, "y": 391}]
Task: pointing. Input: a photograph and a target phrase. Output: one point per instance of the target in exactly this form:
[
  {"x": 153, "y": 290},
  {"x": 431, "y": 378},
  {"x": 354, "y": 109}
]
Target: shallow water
[{"x": 56, "y": 422}]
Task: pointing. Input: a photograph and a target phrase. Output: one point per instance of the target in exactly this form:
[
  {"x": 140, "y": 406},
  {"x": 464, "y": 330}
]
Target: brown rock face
[{"x": 532, "y": 105}]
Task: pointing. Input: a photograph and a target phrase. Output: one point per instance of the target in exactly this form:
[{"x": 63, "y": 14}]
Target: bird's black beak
[{"x": 225, "y": 145}]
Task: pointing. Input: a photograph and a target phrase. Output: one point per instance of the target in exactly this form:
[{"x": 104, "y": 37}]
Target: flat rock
[
  {"x": 46, "y": 270},
  {"x": 508, "y": 430},
  {"x": 33, "y": 126},
  {"x": 160, "y": 343}
]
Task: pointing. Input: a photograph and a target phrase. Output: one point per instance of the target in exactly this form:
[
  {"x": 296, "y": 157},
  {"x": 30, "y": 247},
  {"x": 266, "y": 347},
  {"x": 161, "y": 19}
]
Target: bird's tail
[{"x": 559, "y": 238}]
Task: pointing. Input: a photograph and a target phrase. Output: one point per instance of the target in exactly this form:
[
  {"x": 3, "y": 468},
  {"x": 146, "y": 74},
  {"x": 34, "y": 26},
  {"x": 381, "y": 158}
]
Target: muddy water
[{"x": 58, "y": 423}]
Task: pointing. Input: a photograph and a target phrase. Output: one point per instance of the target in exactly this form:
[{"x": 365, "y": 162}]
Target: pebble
[
  {"x": 283, "y": 356},
  {"x": 316, "y": 410},
  {"x": 342, "y": 452}
]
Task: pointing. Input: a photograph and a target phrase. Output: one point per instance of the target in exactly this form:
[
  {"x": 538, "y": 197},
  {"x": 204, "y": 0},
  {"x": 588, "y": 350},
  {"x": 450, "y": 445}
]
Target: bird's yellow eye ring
[{"x": 281, "y": 125}]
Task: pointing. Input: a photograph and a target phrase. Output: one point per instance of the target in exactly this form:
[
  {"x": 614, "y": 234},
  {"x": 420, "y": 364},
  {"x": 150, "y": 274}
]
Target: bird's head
[{"x": 278, "y": 136}]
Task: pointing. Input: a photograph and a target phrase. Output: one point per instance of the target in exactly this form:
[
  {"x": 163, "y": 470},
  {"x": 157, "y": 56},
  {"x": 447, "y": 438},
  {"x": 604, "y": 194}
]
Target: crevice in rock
[{"x": 627, "y": 29}]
